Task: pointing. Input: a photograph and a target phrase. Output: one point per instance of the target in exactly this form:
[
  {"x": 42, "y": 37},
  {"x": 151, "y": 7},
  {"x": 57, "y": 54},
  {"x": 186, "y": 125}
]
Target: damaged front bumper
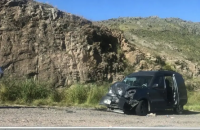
[{"x": 112, "y": 101}]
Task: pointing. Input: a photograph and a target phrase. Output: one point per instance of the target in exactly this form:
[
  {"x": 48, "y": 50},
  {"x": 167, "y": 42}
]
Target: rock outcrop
[{"x": 41, "y": 42}]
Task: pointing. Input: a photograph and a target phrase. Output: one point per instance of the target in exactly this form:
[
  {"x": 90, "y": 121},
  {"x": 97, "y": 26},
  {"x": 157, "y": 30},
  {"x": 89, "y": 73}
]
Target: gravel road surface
[{"x": 87, "y": 117}]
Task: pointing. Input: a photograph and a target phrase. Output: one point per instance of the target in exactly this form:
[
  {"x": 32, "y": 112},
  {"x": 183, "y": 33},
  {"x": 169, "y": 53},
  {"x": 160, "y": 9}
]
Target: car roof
[{"x": 152, "y": 73}]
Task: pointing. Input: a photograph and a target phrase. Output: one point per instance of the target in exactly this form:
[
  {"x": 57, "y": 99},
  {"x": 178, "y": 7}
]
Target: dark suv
[{"x": 146, "y": 91}]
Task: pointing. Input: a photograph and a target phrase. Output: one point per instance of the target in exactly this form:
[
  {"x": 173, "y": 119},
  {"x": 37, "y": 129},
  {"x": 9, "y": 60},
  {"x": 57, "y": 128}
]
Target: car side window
[{"x": 160, "y": 81}]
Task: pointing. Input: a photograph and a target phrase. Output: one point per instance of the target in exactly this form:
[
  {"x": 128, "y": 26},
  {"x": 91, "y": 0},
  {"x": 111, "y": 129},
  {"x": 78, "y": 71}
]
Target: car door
[
  {"x": 179, "y": 92},
  {"x": 157, "y": 93}
]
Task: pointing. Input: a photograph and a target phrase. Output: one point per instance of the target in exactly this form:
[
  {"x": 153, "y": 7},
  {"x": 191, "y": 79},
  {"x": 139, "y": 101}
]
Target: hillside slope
[
  {"x": 175, "y": 41},
  {"x": 171, "y": 34}
]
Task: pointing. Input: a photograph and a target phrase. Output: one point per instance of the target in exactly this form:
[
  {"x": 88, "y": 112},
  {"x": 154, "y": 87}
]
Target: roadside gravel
[{"x": 87, "y": 117}]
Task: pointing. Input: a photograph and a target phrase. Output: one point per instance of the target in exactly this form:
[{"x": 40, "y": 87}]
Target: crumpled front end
[
  {"x": 118, "y": 97},
  {"x": 109, "y": 100},
  {"x": 127, "y": 100}
]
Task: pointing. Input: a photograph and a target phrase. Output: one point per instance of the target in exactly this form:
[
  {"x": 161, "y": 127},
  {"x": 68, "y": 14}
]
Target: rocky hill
[{"x": 41, "y": 42}]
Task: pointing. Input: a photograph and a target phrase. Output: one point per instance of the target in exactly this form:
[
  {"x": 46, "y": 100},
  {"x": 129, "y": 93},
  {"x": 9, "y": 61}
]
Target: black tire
[
  {"x": 178, "y": 109},
  {"x": 142, "y": 108}
]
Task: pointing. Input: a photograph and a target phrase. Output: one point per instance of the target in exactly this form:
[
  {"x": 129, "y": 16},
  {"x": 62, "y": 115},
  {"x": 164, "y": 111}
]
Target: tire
[
  {"x": 142, "y": 108},
  {"x": 178, "y": 109}
]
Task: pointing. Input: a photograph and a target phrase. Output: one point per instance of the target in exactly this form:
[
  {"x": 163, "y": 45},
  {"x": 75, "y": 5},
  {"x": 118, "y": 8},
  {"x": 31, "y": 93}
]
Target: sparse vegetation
[
  {"x": 29, "y": 92},
  {"x": 193, "y": 101},
  {"x": 175, "y": 36},
  {"x": 26, "y": 91}
]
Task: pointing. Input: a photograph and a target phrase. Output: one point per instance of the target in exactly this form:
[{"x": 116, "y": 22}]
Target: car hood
[{"x": 122, "y": 87}]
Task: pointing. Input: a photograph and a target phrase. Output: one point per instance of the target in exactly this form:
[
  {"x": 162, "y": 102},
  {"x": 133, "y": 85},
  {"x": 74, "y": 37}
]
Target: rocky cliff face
[{"x": 41, "y": 42}]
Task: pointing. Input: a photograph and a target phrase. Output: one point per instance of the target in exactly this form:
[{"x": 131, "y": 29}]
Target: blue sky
[{"x": 106, "y": 9}]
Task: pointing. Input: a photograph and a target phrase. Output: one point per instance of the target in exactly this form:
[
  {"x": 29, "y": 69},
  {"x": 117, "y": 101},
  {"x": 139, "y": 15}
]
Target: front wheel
[
  {"x": 178, "y": 109},
  {"x": 142, "y": 108}
]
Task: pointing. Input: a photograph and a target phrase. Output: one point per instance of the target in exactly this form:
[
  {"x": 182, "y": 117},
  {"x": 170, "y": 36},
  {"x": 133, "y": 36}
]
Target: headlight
[
  {"x": 119, "y": 92},
  {"x": 110, "y": 91},
  {"x": 107, "y": 101}
]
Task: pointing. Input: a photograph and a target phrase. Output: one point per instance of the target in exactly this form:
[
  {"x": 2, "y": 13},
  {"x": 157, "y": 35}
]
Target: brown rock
[{"x": 38, "y": 41}]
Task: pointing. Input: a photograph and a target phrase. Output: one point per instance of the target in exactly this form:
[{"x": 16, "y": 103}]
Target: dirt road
[{"x": 82, "y": 117}]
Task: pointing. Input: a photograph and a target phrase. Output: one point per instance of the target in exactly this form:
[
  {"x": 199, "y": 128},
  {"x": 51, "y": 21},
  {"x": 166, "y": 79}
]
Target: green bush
[
  {"x": 26, "y": 90},
  {"x": 9, "y": 90},
  {"x": 193, "y": 101},
  {"x": 96, "y": 93},
  {"x": 8, "y": 93},
  {"x": 35, "y": 93},
  {"x": 57, "y": 96},
  {"x": 30, "y": 90},
  {"x": 89, "y": 94},
  {"x": 168, "y": 67},
  {"x": 76, "y": 94}
]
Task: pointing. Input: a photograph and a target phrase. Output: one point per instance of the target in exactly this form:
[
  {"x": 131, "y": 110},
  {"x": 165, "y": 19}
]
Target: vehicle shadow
[
  {"x": 163, "y": 112},
  {"x": 167, "y": 112},
  {"x": 171, "y": 112}
]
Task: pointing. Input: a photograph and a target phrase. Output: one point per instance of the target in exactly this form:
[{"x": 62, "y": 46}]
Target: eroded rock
[{"x": 38, "y": 41}]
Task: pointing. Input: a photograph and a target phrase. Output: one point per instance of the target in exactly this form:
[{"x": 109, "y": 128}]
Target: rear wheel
[
  {"x": 142, "y": 108},
  {"x": 178, "y": 109}
]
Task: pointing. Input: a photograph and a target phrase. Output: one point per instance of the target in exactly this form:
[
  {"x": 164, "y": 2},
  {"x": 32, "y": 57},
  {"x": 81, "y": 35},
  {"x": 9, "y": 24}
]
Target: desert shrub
[
  {"x": 30, "y": 92},
  {"x": 89, "y": 94},
  {"x": 25, "y": 90},
  {"x": 76, "y": 94},
  {"x": 10, "y": 93},
  {"x": 57, "y": 96},
  {"x": 168, "y": 67},
  {"x": 193, "y": 101},
  {"x": 96, "y": 93},
  {"x": 9, "y": 90}
]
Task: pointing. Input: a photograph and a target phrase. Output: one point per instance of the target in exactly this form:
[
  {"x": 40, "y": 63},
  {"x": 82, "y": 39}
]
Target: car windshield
[{"x": 137, "y": 81}]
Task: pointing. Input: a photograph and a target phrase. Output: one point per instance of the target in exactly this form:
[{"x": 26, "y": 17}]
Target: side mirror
[{"x": 155, "y": 86}]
